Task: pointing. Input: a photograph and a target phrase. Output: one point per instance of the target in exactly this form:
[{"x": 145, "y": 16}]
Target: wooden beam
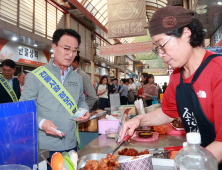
[
  {"x": 68, "y": 20},
  {"x": 194, "y": 5},
  {"x": 151, "y": 8},
  {"x": 88, "y": 14},
  {"x": 190, "y": 4},
  {"x": 185, "y": 4},
  {"x": 57, "y": 6}
]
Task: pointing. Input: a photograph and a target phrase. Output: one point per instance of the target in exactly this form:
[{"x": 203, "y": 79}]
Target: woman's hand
[{"x": 129, "y": 127}]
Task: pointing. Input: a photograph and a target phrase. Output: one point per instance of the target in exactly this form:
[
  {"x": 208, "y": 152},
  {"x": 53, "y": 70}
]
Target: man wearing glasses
[
  {"x": 9, "y": 86},
  {"x": 51, "y": 112}
]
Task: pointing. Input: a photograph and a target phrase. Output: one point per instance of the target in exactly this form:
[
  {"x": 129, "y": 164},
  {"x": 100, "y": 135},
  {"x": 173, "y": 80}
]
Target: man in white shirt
[{"x": 89, "y": 90}]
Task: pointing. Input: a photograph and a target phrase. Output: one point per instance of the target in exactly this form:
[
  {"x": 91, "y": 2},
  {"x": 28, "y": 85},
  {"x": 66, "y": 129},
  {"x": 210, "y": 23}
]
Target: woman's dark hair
[
  {"x": 9, "y": 63},
  {"x": 150, "y": 76},
  {"x": 115, "y": 79},
  {"x": 145, "y": 75},
  {"x": 131, "y": 79},
  {"x": 197, "y": 33},
  {"x": 124, "y": 81},
  {"x": 60, "y": 32},
  {"x": 101, "y": 79}
]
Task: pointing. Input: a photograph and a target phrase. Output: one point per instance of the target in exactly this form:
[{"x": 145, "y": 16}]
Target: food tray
[
  {"x": 95, "y": 156},
  {"x": 176, "y": 127},
  {"x": 158, "y": 163}
]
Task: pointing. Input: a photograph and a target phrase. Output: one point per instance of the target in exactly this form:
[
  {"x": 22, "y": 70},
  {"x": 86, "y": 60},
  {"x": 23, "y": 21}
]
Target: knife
[
  {"x": 159, "y": 153},
  {"x": 125, "y": 139},
  {"x": 170, "y": 149}
]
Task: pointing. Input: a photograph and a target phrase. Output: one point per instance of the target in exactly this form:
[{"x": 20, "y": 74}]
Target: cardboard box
[
  {"x": 105, "y": 124},
  {"x": 90, "y": 126},
  {"x": 132, "y": 110}
]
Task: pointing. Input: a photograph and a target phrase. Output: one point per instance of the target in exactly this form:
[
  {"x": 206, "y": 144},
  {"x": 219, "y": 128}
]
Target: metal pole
[{"x": 92, "y": 62}]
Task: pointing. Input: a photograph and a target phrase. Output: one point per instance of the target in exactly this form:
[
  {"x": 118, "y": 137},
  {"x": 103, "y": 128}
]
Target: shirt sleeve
[
  {"x": 169, "y": 105},
  {"x": 30, "y": 91},
  {"x": 217, "y": 98},
  {"x": 155, "y": 92},
  {"x": 100, "y": 88},
  {"x": 82, "y": 102},
  {"x": 121, "y": 90},
  {"x": 140, "y": 91},
  {"x": 40, "y": 124},
  {"x": 90, "y": 91}
]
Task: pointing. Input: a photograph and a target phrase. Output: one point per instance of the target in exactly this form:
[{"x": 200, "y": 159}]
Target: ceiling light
[
  {"x": 20, "y": 47},
  {"x": 219, "y": 3},
  {"x": 14, "y": 38},
  {"x": 35, "y": 45}
]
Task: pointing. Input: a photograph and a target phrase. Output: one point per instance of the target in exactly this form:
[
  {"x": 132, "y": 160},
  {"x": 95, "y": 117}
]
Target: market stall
[{"x": 104, "y": 145}]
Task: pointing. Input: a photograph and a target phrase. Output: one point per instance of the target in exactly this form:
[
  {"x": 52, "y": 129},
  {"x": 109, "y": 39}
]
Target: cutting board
[{"x": 172, "y": 131}]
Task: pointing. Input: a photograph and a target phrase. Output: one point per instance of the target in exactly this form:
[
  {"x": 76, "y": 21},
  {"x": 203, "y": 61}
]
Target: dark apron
[{"x": 190, "y": 110}]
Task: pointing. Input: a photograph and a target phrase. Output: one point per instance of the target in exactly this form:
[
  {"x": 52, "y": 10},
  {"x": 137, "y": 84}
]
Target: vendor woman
[{"x": 194, "y": 91}]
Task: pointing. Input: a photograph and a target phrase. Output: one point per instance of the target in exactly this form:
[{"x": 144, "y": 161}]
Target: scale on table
[{"x": 18, "y": 134}]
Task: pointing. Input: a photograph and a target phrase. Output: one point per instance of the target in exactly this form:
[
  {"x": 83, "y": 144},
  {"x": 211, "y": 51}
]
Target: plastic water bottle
[{"x": 195, "y": 157}]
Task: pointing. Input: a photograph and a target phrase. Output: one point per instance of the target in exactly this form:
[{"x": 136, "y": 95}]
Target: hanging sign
[
  {"x": 112, "y": 73},
  {"x": 156, "y": 72},
  {"x": 126, "y": 18},
  {"x": 124, "y": 49}
]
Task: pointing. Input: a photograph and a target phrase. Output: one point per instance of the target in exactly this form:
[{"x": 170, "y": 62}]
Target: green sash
[
  {"x": 8, "y": 88},
  {"x": 59, "y": 92}
]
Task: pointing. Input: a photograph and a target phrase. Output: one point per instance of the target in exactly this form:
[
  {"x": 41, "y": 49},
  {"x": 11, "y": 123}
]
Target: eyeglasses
[
  {"x": 68, "y": 50},
  {"x": 159, "y": 49}
]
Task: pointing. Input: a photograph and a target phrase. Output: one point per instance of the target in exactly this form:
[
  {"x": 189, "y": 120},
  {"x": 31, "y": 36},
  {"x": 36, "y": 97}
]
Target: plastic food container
[
  {"x": 143, "y": 162},
  {"x": 14, "y": 167},
  {"x": 111, "y": 133}
]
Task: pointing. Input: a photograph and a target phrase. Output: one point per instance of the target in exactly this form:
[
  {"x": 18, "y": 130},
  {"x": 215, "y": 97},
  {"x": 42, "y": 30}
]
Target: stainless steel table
[
  {"x": 99, "y": 144},
  {"x": 44, "y": 152},
  {"x": 102, "y": 144}
]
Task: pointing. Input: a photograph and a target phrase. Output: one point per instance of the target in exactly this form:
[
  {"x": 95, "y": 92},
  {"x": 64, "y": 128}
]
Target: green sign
[{"x": 147, "y": 55}]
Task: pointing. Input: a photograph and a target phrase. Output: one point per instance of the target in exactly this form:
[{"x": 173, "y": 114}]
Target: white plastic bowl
[
  {"x": 144, "y": 162},
  {"x": 14, "y": 167}
]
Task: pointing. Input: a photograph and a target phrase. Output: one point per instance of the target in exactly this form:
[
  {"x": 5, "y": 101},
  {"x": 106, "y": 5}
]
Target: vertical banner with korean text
[{"x": 126, "y": 18}]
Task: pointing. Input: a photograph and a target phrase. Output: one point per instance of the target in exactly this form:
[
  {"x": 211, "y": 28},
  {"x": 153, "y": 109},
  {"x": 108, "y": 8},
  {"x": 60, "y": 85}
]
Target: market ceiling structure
[
  {"x": 93, "y": 13},
  {"x": 98, "y": 8}
]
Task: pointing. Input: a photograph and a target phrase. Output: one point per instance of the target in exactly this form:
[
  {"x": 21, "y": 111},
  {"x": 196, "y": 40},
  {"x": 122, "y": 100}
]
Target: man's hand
[
  {"x": 84, "y": 118},
  {"x": 46, "y": 126}
]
